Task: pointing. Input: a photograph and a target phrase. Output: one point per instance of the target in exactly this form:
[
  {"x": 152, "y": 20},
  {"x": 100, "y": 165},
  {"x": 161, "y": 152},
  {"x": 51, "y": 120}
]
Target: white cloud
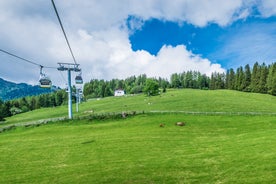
[
  {"x": 267, "y": 8},
  {"x": 112, "y": 57},
  {"x": 99, "y": 37}
]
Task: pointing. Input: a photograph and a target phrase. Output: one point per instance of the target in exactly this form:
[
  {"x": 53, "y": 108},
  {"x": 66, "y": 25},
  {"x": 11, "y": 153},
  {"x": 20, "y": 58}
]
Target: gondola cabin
[
  {"x": 78, "y": 79},
  {"x": 45, "y": 82}
]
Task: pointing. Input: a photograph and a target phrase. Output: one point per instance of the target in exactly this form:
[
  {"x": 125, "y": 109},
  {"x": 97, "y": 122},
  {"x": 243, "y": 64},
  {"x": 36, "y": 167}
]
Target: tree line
[
  {"x": 131, "y": 85},
  {"x": 258, "y": 79},
  {"x": 25, "y": 104}
]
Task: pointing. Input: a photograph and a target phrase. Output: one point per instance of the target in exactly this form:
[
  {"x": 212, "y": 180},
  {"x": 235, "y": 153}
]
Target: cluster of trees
[
  {"x": 132, "y": 85},
  {"x": 259, "y": 79},
  {"x": 190, "y": 79},
  {"x": 12, "y": 107}
]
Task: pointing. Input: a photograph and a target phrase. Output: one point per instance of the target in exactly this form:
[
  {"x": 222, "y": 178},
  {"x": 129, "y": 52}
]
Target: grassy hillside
[
  {"x": 211, "y": 148},
  {"x": 187, "y": 100}
]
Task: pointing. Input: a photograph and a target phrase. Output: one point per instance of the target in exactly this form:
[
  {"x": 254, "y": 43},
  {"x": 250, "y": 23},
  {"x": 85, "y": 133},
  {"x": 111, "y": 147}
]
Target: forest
[{"x": 261, "y": 78}]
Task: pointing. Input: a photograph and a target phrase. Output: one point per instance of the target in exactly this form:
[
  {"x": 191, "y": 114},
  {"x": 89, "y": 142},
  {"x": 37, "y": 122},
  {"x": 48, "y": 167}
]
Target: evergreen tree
[
  {"x": 255, "y": 78},
  {"x": 271, "y": 80},
  {"x": 203, "y": 82},
  {"x": 247, "y": 78},
  {"x": 263, "y": 79},
  {"x": 239, "y": 79},
  {"x": 231, "y": 79},
  {"x": 32, "y": 103},
  {"x": 1, "y": 110},
  {"x": 175, "y": 81},
  {"x": 6, "y": 109}
]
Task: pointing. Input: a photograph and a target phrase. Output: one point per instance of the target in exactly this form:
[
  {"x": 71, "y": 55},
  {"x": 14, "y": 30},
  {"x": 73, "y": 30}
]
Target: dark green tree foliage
[
  {"x": 175, "y": 81},
  {"x": 230, "y": 79},
  {"x": 217, "y": 81},
  {"x": 190, "y": 79},
  {"x": 1, "y": 110},
  {"x": 131, "y": 85},
  {"x": 6, "y": 109},
  {"x": 255, "y": 78},
  {"x": 271, "y": 80},
  {"x": 247, "y": 78},
  {"x": 239, "y": 79},
  {"x": 263, "y": 78},
  {"x": 100, "y": 88},
  {"x": 25, "y": 104},
  {"x": 258, "y": 80},
  {"x": 151, "y": 87}
]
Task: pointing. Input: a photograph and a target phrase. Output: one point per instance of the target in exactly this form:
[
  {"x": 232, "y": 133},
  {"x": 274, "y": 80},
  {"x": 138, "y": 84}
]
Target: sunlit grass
[
  {"x": 174, "y": 100},
  {"x": 213, "y": 148},
  {"x": 209, "y": 149}
]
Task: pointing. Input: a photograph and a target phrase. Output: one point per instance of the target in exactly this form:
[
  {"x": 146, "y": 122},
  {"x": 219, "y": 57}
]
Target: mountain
[{"x": 10, "y": 90}]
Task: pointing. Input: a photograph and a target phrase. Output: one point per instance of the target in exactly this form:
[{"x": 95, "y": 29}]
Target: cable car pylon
[{"x": 69, "y": 67}]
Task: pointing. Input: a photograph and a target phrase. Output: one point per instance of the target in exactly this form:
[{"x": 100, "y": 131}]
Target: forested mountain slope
[{"x": 10, "y": 90}]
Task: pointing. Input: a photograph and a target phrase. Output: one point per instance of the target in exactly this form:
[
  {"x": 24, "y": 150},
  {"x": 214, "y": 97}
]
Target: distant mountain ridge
[{"x": 11, "y": 90}]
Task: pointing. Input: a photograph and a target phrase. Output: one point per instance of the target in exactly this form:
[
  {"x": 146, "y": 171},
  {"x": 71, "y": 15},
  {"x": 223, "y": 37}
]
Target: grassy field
[
  {"x": 209, "y": 149},
  {"x": 186, "y": 100}
]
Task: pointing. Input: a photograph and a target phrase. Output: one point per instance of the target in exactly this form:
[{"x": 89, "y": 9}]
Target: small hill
[{"x": 10, "y": 90}]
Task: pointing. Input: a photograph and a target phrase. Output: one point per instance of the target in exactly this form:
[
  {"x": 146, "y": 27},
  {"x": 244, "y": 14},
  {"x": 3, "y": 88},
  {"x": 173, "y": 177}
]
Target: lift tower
[{"x": 69, "y": 67}]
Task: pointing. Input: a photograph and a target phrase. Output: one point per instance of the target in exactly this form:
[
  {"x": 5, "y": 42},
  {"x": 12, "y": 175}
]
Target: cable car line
[
  {"x": 26, "y": 60},
  {"x": 44, "y": 81},
  {"x": 60, "y": 23}
]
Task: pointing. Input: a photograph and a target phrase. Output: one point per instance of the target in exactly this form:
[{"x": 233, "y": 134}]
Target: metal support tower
[{"x": 69, "y": 67}]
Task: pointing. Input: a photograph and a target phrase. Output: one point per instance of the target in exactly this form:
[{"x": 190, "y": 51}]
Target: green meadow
[{"x": 228, "y": 137}]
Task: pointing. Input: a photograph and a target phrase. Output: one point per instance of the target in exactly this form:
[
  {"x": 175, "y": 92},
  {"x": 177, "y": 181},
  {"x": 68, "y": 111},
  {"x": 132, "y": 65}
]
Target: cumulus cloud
[
  {"x": 112, "y": 57},
  {"x": 99, "y": 35},
  {"x": 267, "y": 8}
]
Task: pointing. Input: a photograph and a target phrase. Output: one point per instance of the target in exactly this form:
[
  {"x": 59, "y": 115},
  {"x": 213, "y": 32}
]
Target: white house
[{"x": 119, "y": 92}]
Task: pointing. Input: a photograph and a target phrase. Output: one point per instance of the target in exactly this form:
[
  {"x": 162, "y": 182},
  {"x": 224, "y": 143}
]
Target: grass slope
[
  {"x": 209, "y": 149},
  {"x": 174, "y": 100}
]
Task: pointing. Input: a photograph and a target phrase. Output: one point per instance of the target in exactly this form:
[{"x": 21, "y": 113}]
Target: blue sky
[
  {"x": 243, "y": 42},
  {"x": 120, "y": 38}
]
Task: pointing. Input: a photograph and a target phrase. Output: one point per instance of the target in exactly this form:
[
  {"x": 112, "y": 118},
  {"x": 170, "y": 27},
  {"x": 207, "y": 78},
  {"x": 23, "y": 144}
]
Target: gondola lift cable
[{"x": 44, "y": 80}]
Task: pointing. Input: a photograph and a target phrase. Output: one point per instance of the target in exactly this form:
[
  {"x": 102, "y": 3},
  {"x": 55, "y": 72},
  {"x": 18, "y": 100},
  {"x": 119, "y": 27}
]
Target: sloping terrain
[
  {"x": 10, "y": 90},
  {"x": 229, "y": 147}
]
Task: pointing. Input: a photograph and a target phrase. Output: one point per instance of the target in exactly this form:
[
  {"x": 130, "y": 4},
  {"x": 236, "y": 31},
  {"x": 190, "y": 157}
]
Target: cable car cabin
[
  {"x": 45, "y": 82},
  {"x": 78, "y": 79}
]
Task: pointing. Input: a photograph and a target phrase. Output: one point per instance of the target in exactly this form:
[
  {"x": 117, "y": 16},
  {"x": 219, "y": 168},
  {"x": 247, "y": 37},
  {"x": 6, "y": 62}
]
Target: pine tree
[
  {"x": 271, "y": 80},
  {"x": 263, "y": 78},
  {"x": 247, "y": 78},
  {"x": 230, "y": 78},
  {"x": 1, "y": 110},
  {"x": 239, "y": 79},
  {"x": 255, "y": 78},
  {"x": 175, "y": 81}
]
